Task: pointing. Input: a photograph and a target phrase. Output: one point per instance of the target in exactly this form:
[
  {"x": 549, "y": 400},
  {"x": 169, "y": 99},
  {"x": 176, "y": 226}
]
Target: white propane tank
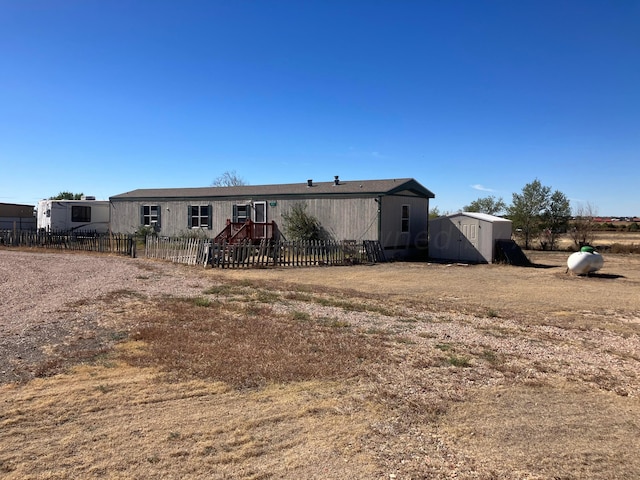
[{"x": 586, "y": 261}]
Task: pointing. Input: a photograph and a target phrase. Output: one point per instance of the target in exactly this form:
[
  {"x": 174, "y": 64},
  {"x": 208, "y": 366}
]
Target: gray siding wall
[
  {"x": 398, "y": 244},
  {"x": 345, "y": 219},
  {"x": 342, "y": 218}
]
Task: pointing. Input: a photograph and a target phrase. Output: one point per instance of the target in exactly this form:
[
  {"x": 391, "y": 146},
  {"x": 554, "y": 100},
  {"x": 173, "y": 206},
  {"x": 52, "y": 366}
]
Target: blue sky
[{"x": 470, "y": 98}]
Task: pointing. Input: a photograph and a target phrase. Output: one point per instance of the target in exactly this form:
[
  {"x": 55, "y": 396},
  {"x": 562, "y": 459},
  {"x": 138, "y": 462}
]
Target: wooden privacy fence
[
  {"x": 80, "y": 241},
  {"x": 265, "y": 254}
]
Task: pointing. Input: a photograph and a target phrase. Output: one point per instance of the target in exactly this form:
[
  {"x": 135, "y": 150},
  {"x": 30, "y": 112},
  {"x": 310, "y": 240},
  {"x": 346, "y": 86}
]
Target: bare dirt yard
[{"x": 114, "y": 367}]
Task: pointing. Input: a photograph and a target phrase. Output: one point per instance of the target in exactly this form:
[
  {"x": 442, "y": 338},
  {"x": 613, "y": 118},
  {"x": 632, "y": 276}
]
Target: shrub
[
  {"x": 143, "y": 232},
  {"x": 623, "y": 248},
  {"x": 300, "y": 225}
]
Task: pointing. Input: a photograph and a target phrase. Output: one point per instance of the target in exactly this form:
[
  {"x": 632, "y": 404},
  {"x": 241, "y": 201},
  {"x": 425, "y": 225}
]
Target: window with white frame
[
  {"x": 241, "y": 213},
  {"x": 200, "y": 216},
  {"x": 405, "y": 218},
  {"x": 150, "y": 215}
]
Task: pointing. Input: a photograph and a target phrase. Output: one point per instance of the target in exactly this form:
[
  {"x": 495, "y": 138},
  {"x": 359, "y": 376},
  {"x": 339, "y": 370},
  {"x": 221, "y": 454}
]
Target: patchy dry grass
[
  {"x": 412, "y": 372},
  {"x": 247, "y": 345},
  {"x": 127, "y": 422},
  {"x": 555, "y": 429}
]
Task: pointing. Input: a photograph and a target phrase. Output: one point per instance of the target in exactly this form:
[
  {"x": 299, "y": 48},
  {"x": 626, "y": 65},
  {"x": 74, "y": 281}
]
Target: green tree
[
  {"x": 488, "y": 205},
  {"x": 301, "y": 225},
  {"x": 527, "y": 210},
  {"x": 435, "y": 212},
  {"x": 67, "y": 196},
  {"x": 556, "y": 219},
  {"x": 229, "y": 179}
]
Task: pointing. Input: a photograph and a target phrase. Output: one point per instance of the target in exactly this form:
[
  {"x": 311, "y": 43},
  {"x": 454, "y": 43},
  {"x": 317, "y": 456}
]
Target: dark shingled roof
[{"x": 344, "y": 187}]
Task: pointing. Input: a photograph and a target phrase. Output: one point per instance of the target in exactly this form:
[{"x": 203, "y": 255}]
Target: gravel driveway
[
  {"x": 470, "y": 342},
  {"x": 53, "y": 305},
  {"x": 38, "y": 292}
]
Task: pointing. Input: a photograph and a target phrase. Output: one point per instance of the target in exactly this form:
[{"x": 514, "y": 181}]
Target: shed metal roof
[
  {"x": 480, "y": 216},
  {"x": 344, "y": 187}
]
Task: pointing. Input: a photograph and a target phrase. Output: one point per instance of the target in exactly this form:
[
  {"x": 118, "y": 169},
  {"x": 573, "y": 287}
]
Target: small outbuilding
[
  {"x": 467, "y": 237},
  {"x": 17, "y": 217}
]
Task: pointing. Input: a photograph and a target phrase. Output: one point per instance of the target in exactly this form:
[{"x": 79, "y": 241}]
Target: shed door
[{"x": 469, "y": 250}]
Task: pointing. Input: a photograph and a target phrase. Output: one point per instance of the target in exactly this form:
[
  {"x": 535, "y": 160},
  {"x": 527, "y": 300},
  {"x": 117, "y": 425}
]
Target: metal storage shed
[{"x": 467, "y": 237}]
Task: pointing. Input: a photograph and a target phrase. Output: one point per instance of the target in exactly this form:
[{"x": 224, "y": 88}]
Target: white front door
[
  {"x": 260, "y": 218},
  {"x": 469, "y": 242}
]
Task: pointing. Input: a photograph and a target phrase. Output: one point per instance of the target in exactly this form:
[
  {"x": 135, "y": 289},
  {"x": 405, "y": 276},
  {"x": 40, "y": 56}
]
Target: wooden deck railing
[{"x": 239, "y": 232}]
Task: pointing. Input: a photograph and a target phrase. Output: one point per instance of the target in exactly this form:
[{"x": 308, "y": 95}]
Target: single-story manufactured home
[
  {"x": 393, "y": 212},
  {"x": 467, "y": 237}
]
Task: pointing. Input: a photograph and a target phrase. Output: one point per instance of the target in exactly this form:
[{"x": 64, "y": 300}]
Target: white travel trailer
[{"x": 89, "y": 215}]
